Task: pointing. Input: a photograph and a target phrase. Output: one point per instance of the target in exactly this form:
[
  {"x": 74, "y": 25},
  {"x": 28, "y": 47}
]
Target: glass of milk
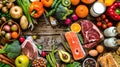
[{"x": 97, "y": 9}]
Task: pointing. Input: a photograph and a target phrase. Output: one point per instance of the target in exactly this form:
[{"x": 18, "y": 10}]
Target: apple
[
  {"x": 21, "y": 39},
  {"x": 6, "y": 28},
  {"x": 16, "y": 12},
  {"x": 22, "y": 61},
  {"x": 14, "y": 27},
  {"x": 8, "y": 36}
]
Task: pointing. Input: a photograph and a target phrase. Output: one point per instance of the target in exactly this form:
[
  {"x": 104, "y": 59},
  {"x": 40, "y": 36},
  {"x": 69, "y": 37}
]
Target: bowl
[
  {"x": 4, "y": 31},
  {"x": 89, "y": 62}
]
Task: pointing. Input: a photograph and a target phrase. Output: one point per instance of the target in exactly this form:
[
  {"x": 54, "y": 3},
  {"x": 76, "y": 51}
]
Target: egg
[
  {"x": 93, "y": 52},
  {"x": 100, "y": 48}
]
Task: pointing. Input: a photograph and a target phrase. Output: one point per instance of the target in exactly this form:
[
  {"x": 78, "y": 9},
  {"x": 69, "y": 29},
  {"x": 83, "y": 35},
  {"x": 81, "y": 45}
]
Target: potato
[{"x": 24, "y": 22}]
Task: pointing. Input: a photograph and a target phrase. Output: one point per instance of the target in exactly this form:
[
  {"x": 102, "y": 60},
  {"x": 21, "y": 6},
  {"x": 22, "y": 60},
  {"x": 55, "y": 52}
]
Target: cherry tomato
[
  {"x": 99, "y": 24},
  {"x": 103, "y": 16},
  {"x": 106, "y": 20},
  {"x": 98, "y": 19},
  {"x": 104, "y": 26},
  {"x": 109, "y": 24}
]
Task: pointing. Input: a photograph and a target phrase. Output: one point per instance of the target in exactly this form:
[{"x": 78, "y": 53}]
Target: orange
[
  {"x": 14, "y": 35},
  {"x": 82, "y": 11},
  {"x": 75, "y": 2},
  {"x": 75, "y": 27},
  {"x": 88, "y": 1}
]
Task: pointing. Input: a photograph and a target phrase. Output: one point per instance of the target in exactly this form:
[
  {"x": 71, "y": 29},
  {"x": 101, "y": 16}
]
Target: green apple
[
  {"x": 14, "y": 27},
  {"x": 22, "y": 61}
]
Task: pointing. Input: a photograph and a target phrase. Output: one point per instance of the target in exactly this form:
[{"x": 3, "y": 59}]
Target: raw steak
[
  {"x": 91, "y": 34},
  {"x": 29, "y": 49}
]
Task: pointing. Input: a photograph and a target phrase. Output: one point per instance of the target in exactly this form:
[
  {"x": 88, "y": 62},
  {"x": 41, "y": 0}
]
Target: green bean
[{"x": 54, "y": 3}]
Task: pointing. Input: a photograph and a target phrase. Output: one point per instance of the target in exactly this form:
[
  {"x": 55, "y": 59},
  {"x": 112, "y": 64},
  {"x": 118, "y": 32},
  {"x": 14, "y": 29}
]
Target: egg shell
[{"x": 93, "y": 52}]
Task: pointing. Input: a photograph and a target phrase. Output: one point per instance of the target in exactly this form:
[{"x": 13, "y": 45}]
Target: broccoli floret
[
  {"x": 13, "y": 49},
  {"x": 62, "y": 12}
]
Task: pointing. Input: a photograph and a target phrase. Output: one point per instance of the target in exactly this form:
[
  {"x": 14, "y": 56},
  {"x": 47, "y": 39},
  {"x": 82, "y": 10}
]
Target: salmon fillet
[{"x": 75, "y": 45}]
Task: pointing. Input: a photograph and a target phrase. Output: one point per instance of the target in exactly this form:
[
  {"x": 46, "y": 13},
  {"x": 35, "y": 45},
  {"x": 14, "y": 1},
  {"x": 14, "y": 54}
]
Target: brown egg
[
  {"x": 93, "y": 52},
  {"x": 100, "y": 48}
]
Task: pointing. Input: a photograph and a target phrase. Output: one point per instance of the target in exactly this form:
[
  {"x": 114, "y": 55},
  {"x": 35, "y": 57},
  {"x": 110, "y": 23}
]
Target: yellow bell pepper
[{"x": 107, "y": 2}]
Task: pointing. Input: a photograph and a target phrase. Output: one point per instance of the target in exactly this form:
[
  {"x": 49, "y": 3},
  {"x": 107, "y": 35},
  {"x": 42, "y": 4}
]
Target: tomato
[
  {"x": 106, "y": 20},
  {"x": 110, "y": 24},
  {"x": 104, "y": 26},
  {"x": 103, "y": 16},
  {"x": 98, "y": 19},
  {"x": 99, "y": 24}
]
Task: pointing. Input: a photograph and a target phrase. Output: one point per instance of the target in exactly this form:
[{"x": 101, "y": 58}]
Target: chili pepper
[
  {"x": 36, "y": 9},
  {"x": 114, "y": 11},
  {"x": 47, "y": 3}
]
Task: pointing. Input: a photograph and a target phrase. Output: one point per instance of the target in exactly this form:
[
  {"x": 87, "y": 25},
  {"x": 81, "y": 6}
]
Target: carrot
[
  {"x": 1, "y": 46},
  {"x": 6, "y": 62},
  {"x": 5, "y": 58}
]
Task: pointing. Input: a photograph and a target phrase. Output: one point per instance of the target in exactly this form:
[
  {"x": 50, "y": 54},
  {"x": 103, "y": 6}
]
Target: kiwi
[{"x": 66, "y": 3}]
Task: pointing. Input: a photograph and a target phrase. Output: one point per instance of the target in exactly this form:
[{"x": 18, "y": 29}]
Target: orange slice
[{"x": 75, "y": 27}]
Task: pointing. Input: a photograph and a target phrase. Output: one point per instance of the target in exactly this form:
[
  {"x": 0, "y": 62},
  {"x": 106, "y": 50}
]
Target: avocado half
[{"x": 64, "y": 56}]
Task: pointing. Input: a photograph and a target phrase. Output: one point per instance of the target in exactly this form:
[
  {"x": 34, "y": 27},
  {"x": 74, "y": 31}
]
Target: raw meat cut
[
  {"x": 91, "y": 34},
  {"x": 29, "y": 49},
  {"x": 75, "y": 45}
]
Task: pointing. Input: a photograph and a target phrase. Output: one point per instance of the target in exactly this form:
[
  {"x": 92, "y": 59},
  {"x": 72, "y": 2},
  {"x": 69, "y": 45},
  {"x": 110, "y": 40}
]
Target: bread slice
[
  {"x": 111, "y": 61},
  {"x": 103, "y": 61},
  {"x": 107, "y": 60}
]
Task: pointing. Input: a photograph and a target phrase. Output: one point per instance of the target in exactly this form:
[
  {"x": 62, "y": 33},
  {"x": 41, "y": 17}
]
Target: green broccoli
[
  {"x": 13, "y": 49},
  {"x": 62, "y": 12}
]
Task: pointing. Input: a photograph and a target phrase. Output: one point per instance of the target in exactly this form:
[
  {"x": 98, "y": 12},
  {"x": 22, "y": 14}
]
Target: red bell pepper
[
  {"x": 36, "y": 9},
  {"x": 114, "y": 11}
]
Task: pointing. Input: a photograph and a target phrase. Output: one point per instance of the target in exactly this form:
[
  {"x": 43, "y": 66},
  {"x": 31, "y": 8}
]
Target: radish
[
  {"x": 68, "y": 21},
  {"x": 43, "y": 54},
  {"x": 21, "y": 39},
  {"x": 74, "y": 17}
]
